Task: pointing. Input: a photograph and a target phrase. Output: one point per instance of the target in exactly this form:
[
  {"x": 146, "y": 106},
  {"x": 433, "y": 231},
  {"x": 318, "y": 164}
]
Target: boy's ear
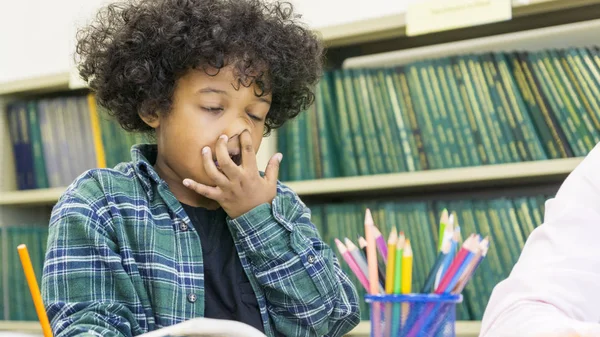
[{"x": 151, "y": 120}]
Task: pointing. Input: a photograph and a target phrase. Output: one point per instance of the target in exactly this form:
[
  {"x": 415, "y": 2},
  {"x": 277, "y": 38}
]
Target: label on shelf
[{"x": 430, "y": 16}]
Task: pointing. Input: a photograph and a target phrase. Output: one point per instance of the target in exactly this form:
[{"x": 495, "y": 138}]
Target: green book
[
  {"x": 311, "y": 159},
  {"x": 525, "y": 129},
  {"x": 402, "y": 139},
  {"x": 514, "y": 143},
  {"x": 460, "y": 132},
  {"x": 365, "y": 115},
  {"x": 294, "y": 149},
  {"x": 574, "y": 133},
  {"x": 540, "y": 110},
  {"x": 570, "y": 101},
  {"x": 405, "y": 119},
  {"x": 359, "y": 139},
  {"x": 423, "y": 118},
  {"x": 434, "y": 116},
  {"x": 284, "y": 167},
  {"x": 35, "y": 133},
  {"x": 580, "y": 60},
  {"x": 484, "y": 148},
  {"x": 486, "y": 117},
  {"x": 348, "y": 155},
  {"x": 458, "y": 113},
  {"x": 388, "y": 145}
]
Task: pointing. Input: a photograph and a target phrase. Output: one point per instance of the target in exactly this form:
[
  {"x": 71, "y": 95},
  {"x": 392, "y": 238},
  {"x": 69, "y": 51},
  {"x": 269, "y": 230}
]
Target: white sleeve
[{"x": 554, "y": 289}]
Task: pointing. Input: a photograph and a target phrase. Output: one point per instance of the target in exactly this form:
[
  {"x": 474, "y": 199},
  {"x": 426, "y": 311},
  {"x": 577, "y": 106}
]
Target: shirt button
[
  {"x": 311, "y": 259},
  {"x": 191, "y": 297},
  {"x": 183, "y": 227}
]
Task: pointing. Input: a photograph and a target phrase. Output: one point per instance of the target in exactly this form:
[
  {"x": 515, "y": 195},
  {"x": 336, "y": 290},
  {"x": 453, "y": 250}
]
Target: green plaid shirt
[{"x": 123, "y": 259}]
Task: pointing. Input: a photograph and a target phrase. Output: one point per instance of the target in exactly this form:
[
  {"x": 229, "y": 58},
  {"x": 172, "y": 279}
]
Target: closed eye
[
  {"x": 256, "y": 118},
  {"x": 212, "y": 109}
]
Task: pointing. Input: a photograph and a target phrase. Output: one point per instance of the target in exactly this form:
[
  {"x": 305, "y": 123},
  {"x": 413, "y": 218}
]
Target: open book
[{"x": 207, "y": 327}]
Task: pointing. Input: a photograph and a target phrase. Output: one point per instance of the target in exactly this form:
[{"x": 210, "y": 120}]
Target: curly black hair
[{"x": 133, "y": 53}]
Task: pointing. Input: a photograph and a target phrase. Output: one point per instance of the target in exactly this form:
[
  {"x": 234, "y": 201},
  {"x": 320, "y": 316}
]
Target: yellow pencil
[
  {"x": 443, "y": 223},
  {"x": 35, "y": 290},
  {"x": 407, "y": 262},
  {"x": 389, "y": 275},
  {"x": 398, "y": 265}
]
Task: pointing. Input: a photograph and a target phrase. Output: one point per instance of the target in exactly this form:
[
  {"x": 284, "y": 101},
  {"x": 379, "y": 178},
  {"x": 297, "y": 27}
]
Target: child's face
[{"x": 204, "y": 108}]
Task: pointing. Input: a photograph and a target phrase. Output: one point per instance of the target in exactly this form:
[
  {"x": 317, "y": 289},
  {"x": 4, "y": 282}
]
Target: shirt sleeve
[
  {"x": 554, "y": 289},
  {"x": 84, "y": 285},
  {"x": 307, "y": 293}
]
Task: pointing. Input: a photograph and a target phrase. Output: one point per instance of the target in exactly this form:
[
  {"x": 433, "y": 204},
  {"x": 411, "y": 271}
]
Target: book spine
[
  {"x": 350, "y": 157},
  {"x": 538, "y": 100},
  {"x": 41, "y": 179}
]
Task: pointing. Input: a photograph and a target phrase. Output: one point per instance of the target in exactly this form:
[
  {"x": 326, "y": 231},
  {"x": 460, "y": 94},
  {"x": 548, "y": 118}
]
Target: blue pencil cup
[{"x": 413, "y": 315}]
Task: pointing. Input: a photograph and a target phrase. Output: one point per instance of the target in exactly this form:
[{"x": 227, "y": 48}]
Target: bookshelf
[
  {"x": 483, "y": 175},
  {"x": 353, "y": 33},
  {"x": 393, "y": 26},
  {"x": 33, "y": 205}
]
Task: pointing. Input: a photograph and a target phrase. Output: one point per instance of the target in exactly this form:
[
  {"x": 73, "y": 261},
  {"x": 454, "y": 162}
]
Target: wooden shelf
[
  {"x": 492, "y": 174},
  {"x": 463, "y": 329},
  {"x": 32, "y": 327},
  {"x": 578, "y": 34},
  {"x": 47, "y": 83},
  {"x": 46, "y": 196},
  {"x": 393, "y": 26}
]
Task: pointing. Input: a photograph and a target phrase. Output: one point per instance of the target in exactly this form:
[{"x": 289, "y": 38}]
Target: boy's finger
[
  {"x": 211, "y": 169},
  {"x": 248, "y": 155},
  {"x": 226, "y": 165},
  {"x": 208, "y": 191},
  {"x": 272, "y": 170}
]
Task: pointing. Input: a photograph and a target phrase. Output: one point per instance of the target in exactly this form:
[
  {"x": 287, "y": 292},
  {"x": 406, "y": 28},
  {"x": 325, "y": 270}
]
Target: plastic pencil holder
[{"x": 413, "y": 315}]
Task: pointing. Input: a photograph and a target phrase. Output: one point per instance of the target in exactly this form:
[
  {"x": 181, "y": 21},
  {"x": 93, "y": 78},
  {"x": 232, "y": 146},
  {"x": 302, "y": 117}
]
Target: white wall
[{"x": 37, "y": 36}]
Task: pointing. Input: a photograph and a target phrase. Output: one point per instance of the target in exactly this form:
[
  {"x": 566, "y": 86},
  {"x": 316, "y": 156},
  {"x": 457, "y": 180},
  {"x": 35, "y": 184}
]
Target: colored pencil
[
  {"x": 373, "y": 274},
  {"x": 34, "y": 290},
  {"x": 407, "y": 264},
  {"x": 397, "y": 289},
  {"x": 443, "y": 224},
  {"x": 352, "y": 264},
  {"x": 468, "y": 274},
  {"x": 472, "y": 248},
  {"x": 363, "y": 247},
  {"x": 428, "y": 286},
  {"x": 456, "y": 265},
  {"x": 454, "y": 235},
  {"x": 381, "y": 246},
  {"x": 357, "y": 256},
  {"x": 389, "y": 272}
]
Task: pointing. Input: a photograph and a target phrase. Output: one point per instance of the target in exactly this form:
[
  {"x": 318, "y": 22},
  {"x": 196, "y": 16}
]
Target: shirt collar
[{"x": 143, "y": 157}]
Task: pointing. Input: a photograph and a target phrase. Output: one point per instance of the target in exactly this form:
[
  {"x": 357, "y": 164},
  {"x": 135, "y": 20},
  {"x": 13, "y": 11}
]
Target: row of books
[
  {"x": 458, "y": 111},
  {"x": 15, "y": 297},
  {"x": 55, "y": 140},
  {"x": 508, "y": 222}
]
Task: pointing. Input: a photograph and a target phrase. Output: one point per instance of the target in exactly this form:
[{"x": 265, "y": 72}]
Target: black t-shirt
[{"x": 228, "y": 293}]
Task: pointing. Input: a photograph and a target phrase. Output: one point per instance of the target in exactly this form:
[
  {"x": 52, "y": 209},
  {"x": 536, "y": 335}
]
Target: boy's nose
[{"x": 233, "y": 145}]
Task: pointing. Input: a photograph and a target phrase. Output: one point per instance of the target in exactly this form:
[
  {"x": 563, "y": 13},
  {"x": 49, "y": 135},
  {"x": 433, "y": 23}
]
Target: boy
[{"x": 190, "y": 227}]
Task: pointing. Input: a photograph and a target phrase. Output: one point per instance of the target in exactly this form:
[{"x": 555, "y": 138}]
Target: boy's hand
[{"x": 239, "y": 188}]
